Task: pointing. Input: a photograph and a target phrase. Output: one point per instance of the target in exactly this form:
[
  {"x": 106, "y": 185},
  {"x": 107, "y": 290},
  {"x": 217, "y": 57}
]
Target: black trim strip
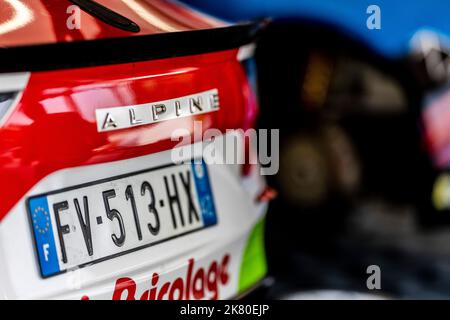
[
  {"x": 122, "y": 50},
  {"x": 107, "y": 15}
]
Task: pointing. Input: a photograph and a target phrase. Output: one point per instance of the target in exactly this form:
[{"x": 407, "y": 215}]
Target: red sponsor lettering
[{"x": 197, "y": 284}]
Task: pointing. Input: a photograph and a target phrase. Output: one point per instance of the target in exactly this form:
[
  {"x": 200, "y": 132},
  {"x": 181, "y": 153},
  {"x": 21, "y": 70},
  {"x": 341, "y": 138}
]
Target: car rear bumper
[{"x": 50, "y": 140}]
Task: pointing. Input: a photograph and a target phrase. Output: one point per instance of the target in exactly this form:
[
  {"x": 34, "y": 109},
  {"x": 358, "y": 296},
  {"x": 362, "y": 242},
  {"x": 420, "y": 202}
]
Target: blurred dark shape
[{"x": 352, "y": 140}]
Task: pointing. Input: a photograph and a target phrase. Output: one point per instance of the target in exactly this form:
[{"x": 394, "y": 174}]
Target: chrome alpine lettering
[
  {"x": 133, "y": 118},
  {"x": 130, "y": 116},
  {"x": 109, "y": 122}
]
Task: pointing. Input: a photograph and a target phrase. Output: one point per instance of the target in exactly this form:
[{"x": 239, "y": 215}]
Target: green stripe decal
[{"x": 254, "y": 266}]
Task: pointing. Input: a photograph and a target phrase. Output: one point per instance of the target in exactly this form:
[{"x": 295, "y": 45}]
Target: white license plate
[{"x": 100, "y": 220}]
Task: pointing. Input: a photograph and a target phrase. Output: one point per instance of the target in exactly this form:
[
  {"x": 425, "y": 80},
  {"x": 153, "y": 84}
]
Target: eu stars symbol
[{"x": 41, "y": 220}]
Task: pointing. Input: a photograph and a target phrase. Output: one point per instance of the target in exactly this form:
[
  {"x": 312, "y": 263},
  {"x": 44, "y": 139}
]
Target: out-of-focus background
[{"x": 359, "y": 91}]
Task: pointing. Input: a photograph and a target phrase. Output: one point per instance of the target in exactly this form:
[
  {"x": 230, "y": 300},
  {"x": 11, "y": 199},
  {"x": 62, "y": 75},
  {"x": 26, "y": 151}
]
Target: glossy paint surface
[
  {"x": 27, "y": 22},
  {"x": 50, "y": 140},
  {"x": 54, "y": 125}
]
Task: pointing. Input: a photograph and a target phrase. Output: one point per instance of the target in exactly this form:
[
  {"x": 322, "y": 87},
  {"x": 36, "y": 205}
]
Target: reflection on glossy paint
[
  {"x": 21, "y": 16},
  {"x": 126, "y": 79},
  {"x": 149, "y": 16}
]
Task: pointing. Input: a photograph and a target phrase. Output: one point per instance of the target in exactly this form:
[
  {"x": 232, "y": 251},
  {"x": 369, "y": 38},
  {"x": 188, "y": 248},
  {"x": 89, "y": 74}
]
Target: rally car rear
[{"x": 108, "y": 187}]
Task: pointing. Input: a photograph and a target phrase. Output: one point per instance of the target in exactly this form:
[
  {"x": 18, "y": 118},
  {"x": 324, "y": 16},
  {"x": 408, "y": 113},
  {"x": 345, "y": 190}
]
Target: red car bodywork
[
  {"x": 55, "y": 80},
  {"x": 29, "y": 22},
  {"x": 54, "y": 127}
]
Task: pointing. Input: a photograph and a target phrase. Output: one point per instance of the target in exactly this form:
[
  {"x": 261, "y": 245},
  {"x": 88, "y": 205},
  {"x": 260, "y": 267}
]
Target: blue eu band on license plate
[
  {"x": 43, "y": 234},
  {"x": 100, "y": 220}
]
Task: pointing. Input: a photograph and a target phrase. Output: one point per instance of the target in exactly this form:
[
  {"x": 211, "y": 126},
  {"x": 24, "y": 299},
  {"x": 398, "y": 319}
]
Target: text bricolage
[{"x": 198, "y": 284}]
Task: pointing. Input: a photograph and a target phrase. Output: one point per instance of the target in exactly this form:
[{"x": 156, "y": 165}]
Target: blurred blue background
[{"x": 399, "y": 19}]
